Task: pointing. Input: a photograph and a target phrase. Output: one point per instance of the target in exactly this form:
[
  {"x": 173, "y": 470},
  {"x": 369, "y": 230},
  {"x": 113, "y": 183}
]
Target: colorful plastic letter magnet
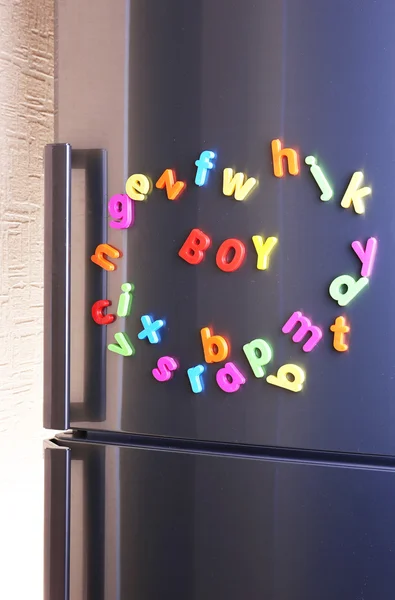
[
  {"x": 151, "y": 329},
  {"x": 103, "y": 250},
  {"x": 295, "y": 384}
]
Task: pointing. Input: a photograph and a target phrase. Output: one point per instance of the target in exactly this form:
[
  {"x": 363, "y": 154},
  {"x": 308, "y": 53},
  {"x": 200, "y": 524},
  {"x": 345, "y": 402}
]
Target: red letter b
[{"x": 194, "y": 247}]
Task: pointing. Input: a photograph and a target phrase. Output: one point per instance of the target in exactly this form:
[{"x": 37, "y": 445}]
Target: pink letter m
[{"x": 305, "y": 328}]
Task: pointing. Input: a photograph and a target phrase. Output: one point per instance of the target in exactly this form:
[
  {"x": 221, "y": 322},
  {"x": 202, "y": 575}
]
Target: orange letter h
[{"x": 278, "y": 154}]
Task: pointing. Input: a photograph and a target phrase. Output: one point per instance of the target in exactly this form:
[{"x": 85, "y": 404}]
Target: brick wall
[{"x": 26, "y": 125}]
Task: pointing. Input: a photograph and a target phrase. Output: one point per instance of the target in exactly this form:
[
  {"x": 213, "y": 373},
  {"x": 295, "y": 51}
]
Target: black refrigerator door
[
  {"x": 148, "y": 523},
  {"x": 155, "y": 84}
]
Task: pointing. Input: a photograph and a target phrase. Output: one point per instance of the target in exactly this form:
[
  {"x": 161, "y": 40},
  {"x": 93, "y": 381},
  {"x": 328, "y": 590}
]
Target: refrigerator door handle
[
  {"x": 57, "y": 462},
  {"x": 59, "y": 160},
  {"x": 57, "y": 231}
]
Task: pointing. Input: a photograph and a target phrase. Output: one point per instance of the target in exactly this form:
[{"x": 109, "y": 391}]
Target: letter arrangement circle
[{"x": 259, "y": 356}]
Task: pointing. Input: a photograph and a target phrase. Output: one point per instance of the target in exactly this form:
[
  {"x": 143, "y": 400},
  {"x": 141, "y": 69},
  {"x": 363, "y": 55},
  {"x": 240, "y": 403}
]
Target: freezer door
[
  {"x": 155, "y": 84},
  {"x": 151, "y": 523},
  {"x": 57, "y": 522}
]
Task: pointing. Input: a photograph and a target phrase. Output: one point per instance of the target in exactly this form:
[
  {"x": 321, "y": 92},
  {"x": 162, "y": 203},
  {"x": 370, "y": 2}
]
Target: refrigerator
[{"x": 219, "y": 301}]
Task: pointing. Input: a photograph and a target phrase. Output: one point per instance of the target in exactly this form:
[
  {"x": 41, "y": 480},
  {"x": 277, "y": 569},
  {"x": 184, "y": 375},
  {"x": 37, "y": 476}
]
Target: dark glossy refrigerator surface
[
  {"x": 262, "y": 493},
  {"x": 149, "y": 522},
  {"x": 230, "y": 77}
]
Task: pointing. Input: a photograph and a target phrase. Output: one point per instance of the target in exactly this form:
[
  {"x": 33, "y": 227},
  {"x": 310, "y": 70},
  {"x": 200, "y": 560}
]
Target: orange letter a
[{"x": 215, "y": 347}]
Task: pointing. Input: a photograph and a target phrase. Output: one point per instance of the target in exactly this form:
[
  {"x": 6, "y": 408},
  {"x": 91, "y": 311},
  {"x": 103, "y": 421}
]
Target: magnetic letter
[
  {"x": 166, "y": 366},
  {"x": 305, "y": 328},
  {"x": 151, "y": 329},
  {"x": 367, "y": 256},
  {"x": 194, "y": 247},
  {"x": 215, "y": 347},
  {"x": 138, "y": 186},
  {"x": 204, "y": 164},
  {"x": 354, "y": 194},
  {"x": 229, "y": 378},
  {"x": 282, "y": 380},
  {"x": 339, "y": 328},
  {"x": 223, "y": 254},
  {"x": 237, "y": 184},
  {"x": 196, "y": 379},
  {"x": 353, "y": 288},
  {"x": 278, "y": 154},
  {"x": 263, "y": 250},
  {"x": 121, "y": 209},
  {"x": 125, "y": 300},
  {"x": 259, "y": 354},
  {"x": 97, "y": 313},
  {"x": 124, "y": 346},
  {"x": 319, "y": 178},
  {"x": 98, "y": 256},
  {"x": 173, "y": 188}
]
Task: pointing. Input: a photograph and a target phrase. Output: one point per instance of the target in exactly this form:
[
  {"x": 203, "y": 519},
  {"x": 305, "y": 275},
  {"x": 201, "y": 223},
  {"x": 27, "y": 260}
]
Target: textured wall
[{"x": 26, "y": 125}]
